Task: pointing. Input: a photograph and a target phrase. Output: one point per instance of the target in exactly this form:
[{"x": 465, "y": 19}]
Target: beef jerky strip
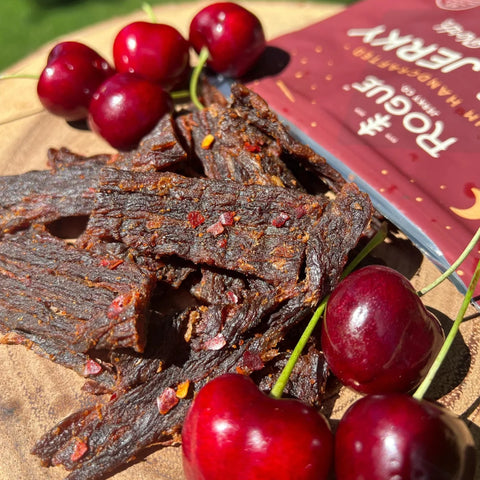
[
  {"x": 65, "y": 158},
  {"x": 255, "y": 230},
  {"x": 102, "y": 378},
  {"x": 44, "y": 195},
  {"x": 255, "y": 111},
  {"x": 228, "y": 147},
  {"x": 160, "y": 150},
  {"x": 51, "y": 288},
  {"x": 114, "y": 433}
]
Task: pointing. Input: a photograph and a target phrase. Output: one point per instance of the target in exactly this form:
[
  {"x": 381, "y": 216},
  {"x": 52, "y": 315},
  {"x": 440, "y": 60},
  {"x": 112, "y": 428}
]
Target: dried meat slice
[
  {"x": 161, "y": 149},
  {"x": 255, "y": 111},
  {"x": 58, "y": 158},
  {"x": 255, "y": 230},
  {"x": 230, "y": 148},
  {"x": 100, "y": 374},
  {"x": 51, "y": 288},
  {"x": 43, "y": 196}
]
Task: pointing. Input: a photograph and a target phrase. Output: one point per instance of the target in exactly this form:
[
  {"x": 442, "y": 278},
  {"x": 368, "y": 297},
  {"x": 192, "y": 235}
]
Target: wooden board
[{"x": 36, "y": 394}]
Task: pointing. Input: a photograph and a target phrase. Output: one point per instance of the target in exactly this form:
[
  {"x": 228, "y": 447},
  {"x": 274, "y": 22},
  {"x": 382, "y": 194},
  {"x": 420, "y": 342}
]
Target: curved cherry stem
[
  {"x": 277, "y": 389},
  {"x": 202, "y": 60},
  {"x": 147, "y": 8},
  {"x": 424, "y": 386},
  {"x": 453, "y": 267}
]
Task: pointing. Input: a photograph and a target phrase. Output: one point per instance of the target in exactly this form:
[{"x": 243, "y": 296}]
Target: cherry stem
[
  {"x": 453, "y": 267},
  {"x": 424, "y": 386},
  {"x": 26, "y": 76},
  {"x": 180, "y": 94},
  {"x": 147, "y": 8},
  {"x": 202, "y": 60},
  {"x": 280, "y": 384}
]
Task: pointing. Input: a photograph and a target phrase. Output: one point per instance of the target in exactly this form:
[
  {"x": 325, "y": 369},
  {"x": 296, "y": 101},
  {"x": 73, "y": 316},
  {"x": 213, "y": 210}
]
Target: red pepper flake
[
  {"x": 280, "y": 220},
  {"x": 162, "y": 147},
  {"x": 79, "y": 450},
  {"x": 89, "y": 192},
  {"x": 167, "y": 400},
  {"x": 195, "y": 219},
  {"x": 118, "y": 305},
  {"x": 92, "y": 368},
  {"x": 300, "y": 211},
  {"x": 251, "y": 148},
  {"x": 232, "y": 297},
  {"x": 222, "y": 243},
  {"x": 111, "y": 264},
  {"x": 252, "y": 361},
  {"x": 216, "y": 228},
  {"x": 215, "y": 343},
  {"x": 227, "y": 218}
]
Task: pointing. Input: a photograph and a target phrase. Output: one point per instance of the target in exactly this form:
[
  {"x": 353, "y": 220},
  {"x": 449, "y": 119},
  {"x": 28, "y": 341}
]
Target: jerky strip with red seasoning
[
  {"x": 43, "y": 196},
  {"x": 51, "y": 288},
  {"x": 256, "y": 230}
]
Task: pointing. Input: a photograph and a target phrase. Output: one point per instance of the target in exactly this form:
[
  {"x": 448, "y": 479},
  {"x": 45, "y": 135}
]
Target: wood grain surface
[{"x": 36, "y": 394}]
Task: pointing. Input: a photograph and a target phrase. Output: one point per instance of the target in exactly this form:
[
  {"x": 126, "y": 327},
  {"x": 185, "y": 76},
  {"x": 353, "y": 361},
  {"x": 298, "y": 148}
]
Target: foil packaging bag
[{"x": 389, "y": 94}]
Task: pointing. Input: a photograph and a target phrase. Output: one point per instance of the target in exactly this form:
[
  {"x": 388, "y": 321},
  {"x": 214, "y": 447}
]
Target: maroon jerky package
[{"x": 389, "y": 93}]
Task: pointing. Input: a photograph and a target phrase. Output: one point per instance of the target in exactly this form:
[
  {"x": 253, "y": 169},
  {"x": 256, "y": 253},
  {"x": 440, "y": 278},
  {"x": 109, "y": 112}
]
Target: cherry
[
  {"x": 154, "y": 51},
  {"x": 235, "y": 431},
  {"x": 233, "y": 35},
  {"x": 125, "y": 108},
  {"x": 377, "y": 335},
  {"x": 396, "y": 436},
  {"x": 73, "y": 73}
]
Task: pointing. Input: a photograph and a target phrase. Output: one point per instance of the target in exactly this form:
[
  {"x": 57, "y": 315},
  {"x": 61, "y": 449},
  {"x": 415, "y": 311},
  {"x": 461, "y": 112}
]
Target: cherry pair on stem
[{"x": 233, "y": 430}]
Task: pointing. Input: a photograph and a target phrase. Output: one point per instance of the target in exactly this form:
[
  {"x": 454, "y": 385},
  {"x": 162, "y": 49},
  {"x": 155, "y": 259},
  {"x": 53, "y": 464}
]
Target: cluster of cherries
[
  {"x": 378, "y": 339},
  {"x": 122, "y": 103}
]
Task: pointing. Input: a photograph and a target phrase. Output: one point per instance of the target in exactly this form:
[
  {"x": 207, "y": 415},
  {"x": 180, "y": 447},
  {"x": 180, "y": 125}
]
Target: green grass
[{"x": 26, "y": 25}]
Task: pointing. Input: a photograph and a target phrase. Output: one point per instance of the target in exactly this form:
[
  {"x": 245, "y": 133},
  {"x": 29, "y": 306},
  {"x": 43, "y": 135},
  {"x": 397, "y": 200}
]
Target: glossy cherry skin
[
  {"x": 73, "y": 73},
  {"x": 377, "y": 335},
  {"x": 153, "y": 51},
  {"x": 395, "y": 436},
  {"x": 233, "y": 35},
  {"x": 234, "y": 431},
  {"x": 125, "y": 108}
]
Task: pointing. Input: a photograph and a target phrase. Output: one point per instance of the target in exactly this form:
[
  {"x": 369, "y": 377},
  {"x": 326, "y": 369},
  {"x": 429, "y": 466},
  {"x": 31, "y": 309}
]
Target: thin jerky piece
[
  {"x": 51, "y": 288},
  {"x": 102, "y": 378},
  {"x": 230, "y": 148},
  {"x": 255, "y": 111},
  {"x": 256, "y": 230},
  {"x": 65, "y": 158},
  {"x": 159, "y": 150},
  {"x": 45, "y": 195}
]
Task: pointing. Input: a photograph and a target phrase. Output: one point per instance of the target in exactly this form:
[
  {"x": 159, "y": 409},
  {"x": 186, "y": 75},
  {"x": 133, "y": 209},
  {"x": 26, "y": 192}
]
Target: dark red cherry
[
  {"x": 395, "y": 436},
  {"x": 154, "y": 51},
  {"x": 78, "y": 48},
  {"x": 377, "y": 335},
  {"x": 72, "y": 74},
  {"x": 234, "y": 431},
  {"x": 125, "y": 108},
  {"x": 233, "y": 35}
]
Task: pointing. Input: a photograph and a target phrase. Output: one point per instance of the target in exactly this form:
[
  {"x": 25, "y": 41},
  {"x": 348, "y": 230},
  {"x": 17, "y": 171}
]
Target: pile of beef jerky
[{"x": 201, "y": 251}]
